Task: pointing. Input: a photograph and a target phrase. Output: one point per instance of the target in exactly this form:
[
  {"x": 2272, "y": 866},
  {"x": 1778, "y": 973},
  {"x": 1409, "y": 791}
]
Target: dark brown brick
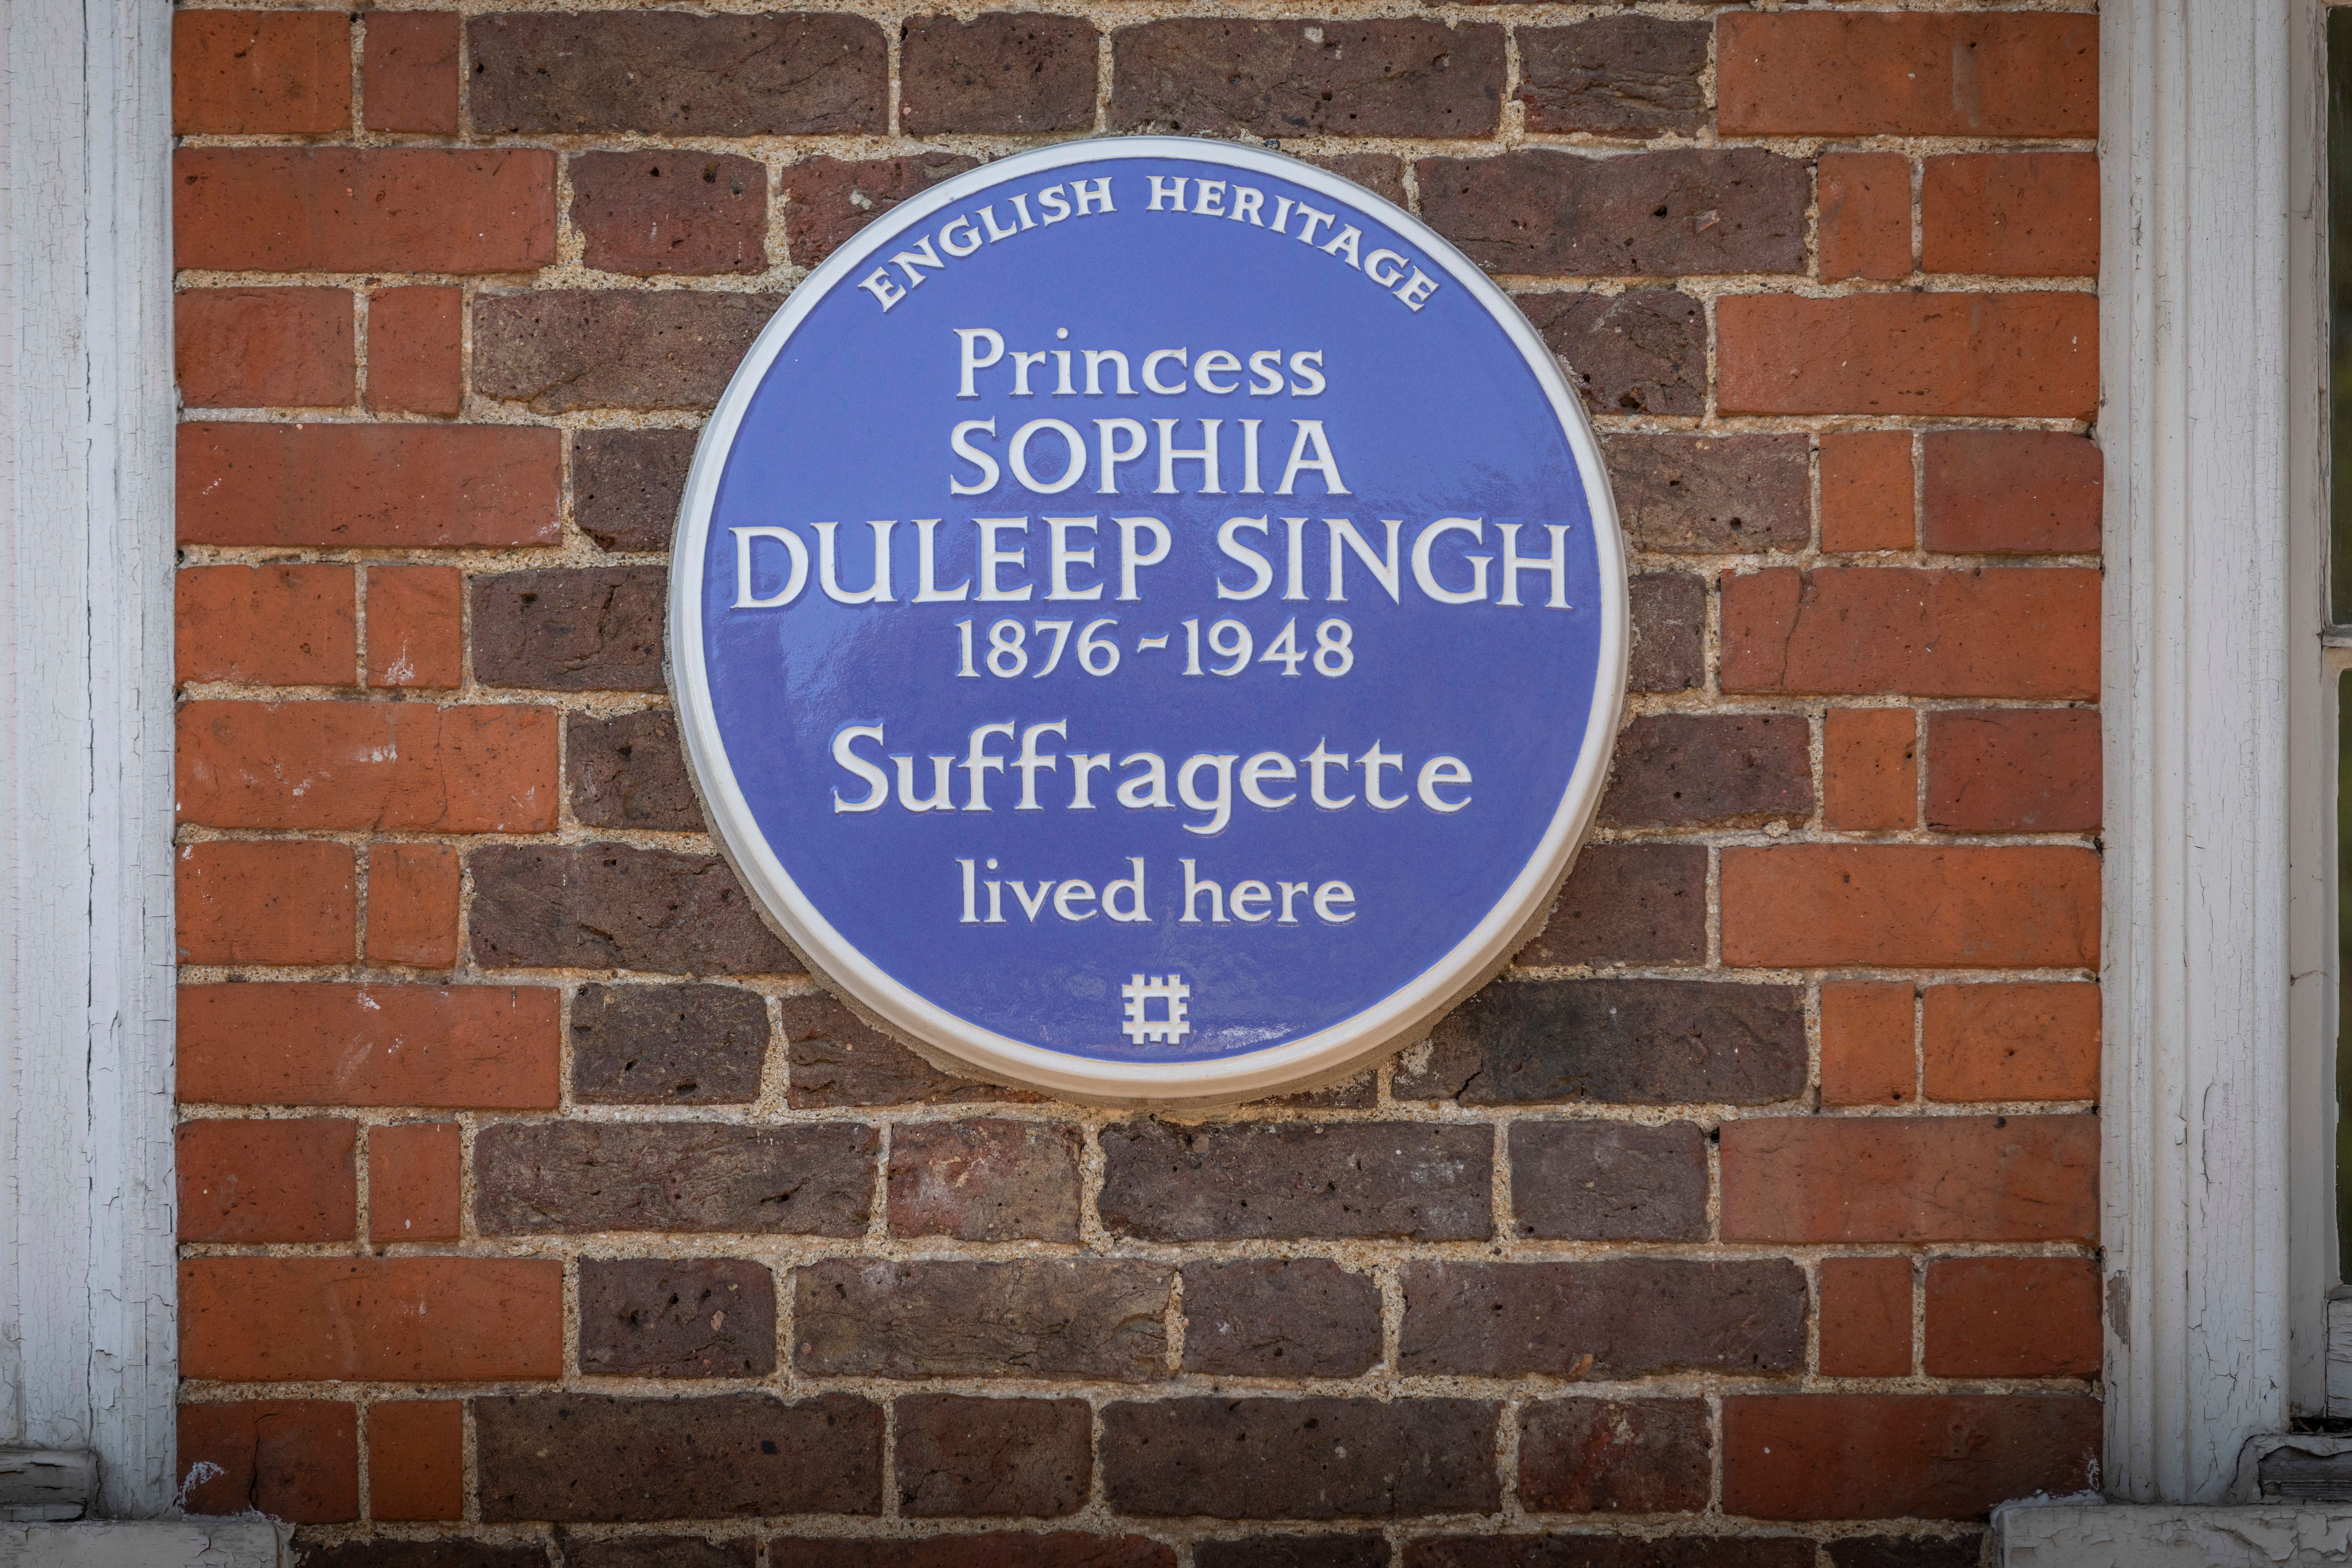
[
  {"x": 832, "y": 198},
  {"x": 1964, "y": 1550},
  {"x": 672, "y": 211},
  {"x": 677, "y": 1317},
  {"x": 1619, "y": 1319},
  {"x": 1227, "y": 77},
  {"x": 1659, "y": 214},
  {"x": 1061, "y": 1548},
  {"x": 985, "y": 1181},
  {"x": 1711, "y": 494},
  {"x": 669, "y": 73},
  {"x": 1669, "y": 616},
  {"x": 1359, "y": 1094},
  {"x": 661, "y": 1551},
  {"x": 1295, "y": 1552},
  {"x": 1300, "y": 1459},
  {"x": 1607, "y": 1456},
  {"x": 562, "y": 349},
  {"x": 1615, "y": 76},
  {"x": 1676, "y": 770},
  {"x": 450, "y": 1552},
  {"x": 1627, "y": 903},
  {"x": 571, "y": 630},
  {"x": 1275, "y": 1316},
  {"x": 667, "y": 1045},
  {"x": 538, "y": 1178},
  {"x": 625, "y": 485},
  {"x": 1614, "y": 1042},
  {"x": 1643, "y": 351},
  {"x": 603, "y": 906},
  {"x": 1609, "y": 1551},
  {"x": 1609, "y": 1180},
  {"x": 837, "y": 1060},
  {"x": 629, "y": 770},
  {"x": 1409, "y": 1181},
  {"x": 1019, "y": 1459},
  {"x": 1096, "y": 1319},
  {"x": 587, "y": 1458},
  {"x": 1382, "y": 174},
  {"x": 1001, "y": 75}
]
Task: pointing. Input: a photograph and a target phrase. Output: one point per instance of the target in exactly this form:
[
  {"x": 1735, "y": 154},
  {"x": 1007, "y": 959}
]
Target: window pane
[
  {"x": 2339, "y": 251},
  {"x": 2344, "y": 967}
]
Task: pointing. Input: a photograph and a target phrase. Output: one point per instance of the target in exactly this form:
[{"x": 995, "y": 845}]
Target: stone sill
[{"x": 248, "y": 1542}]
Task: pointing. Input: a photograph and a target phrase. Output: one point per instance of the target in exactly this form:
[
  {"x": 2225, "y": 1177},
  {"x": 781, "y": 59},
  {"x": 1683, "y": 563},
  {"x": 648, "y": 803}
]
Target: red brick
[
  {"x": 310, "y": 1044},
  {"x": 2015, "y": 214},
  {"x": 266, "y": 903},
  {"x": 2013, "y": 1317},
  {"x": 2012, "y": 1042},
  {"x": 1865, "y": 214},
  {"x": 1861, "y": 630},
  {"x": 412, "y": 1181},
  {"x": 416, "y": 626},
  {"x": 413, "y": 905},
  {"x": 420, "y": 1320},
  {"x": 1865, "y": 1317},
  {"x": 347, "y": 209},
  {"x": 252, "y": 1181},
  {"x": 260, "y": 73},
  {"x": 416, "y": 1461},
  {"x": 1947, "y": 1178},
  {"x": 266, "y": 626},
  {"x": 1827, "y": 905},
  {"x": 2017, "y": 491},
  {"x": 1869, "y": 1050},
  {"x": 394, "y": 487},
  {"x": 294, "y": 1460},
  {"x": 1866, "y": 492},
  {"x": 1862, "y": 73},
  {"x": 408, "y": 74},
  {"x": 2012, "y": 355},
  {"x": 385, "y": 765},
  {"x": 414, "y": 353},
  {"x": 263, "y": 348},
  {"x": 1870, "y": 768},
  {"x": 1887, "y": 1456},
  {"x": 2024, "y": 770}
]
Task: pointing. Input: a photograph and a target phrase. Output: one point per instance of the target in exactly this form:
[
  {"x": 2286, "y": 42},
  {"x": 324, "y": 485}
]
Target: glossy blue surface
[{"x": 1430, "y": 414}]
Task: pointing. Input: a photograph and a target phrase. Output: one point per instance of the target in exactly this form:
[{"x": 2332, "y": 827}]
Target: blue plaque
[{"x": 1149, "y": 623}]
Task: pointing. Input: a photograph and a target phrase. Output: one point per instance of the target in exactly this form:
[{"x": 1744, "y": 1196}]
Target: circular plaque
[{"x": 1148, "y": 620}]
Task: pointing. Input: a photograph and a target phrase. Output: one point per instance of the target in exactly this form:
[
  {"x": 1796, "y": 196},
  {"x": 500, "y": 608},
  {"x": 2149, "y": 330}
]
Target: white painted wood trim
[
  {"x": 2071, "y": 1535},
  {"x": 2206, "y": 281},
  {"x": 88, "y": 1351}
]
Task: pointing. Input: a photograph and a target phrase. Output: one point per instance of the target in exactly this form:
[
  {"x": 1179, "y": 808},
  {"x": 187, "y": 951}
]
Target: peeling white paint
[{"x": 86, "y": 1274}]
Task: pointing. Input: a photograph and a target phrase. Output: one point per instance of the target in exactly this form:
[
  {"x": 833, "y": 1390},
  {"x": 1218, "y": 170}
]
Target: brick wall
[{"x": 535, "y": 1212}]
